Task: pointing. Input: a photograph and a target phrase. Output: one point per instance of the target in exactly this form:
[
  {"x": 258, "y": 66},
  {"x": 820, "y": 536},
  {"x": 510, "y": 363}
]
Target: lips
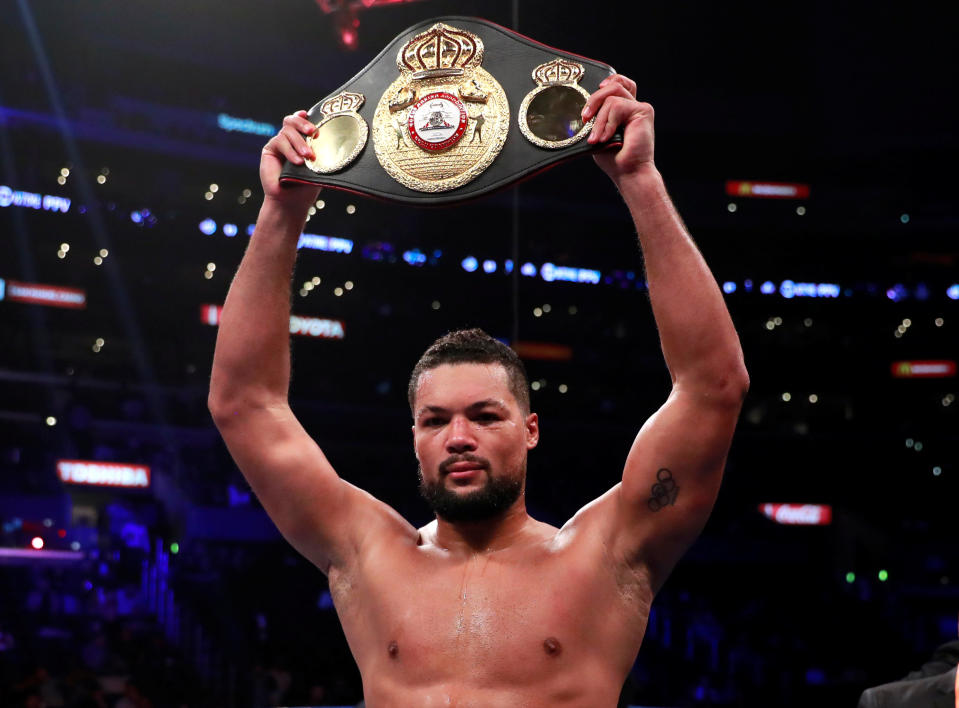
[{"x": 461, "y": 467}]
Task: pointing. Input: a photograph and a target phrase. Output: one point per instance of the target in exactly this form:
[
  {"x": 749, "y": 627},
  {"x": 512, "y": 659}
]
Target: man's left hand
[{"x": 614, "y": 105}]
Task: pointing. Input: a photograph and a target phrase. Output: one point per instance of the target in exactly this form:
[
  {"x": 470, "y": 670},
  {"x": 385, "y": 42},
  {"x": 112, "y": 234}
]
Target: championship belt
[{"x": 456, "y": 107}]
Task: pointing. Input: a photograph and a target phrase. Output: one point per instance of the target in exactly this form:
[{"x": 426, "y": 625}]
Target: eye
[
  {"x": 431, "y": 422},
  {"x": 487, "y": 417}
]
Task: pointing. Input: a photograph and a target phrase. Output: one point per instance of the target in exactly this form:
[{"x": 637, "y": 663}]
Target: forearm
[
  {"x": 699, "y": 341},
  {"x": 251, "y": 364}
]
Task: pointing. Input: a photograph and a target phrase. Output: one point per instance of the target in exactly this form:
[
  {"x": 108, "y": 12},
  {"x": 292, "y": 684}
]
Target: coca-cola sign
[{"x": 798, "y": 514}]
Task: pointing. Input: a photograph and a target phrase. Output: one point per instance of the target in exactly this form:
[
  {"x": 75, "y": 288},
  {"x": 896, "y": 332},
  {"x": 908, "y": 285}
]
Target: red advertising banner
[
  {"x": 798, "y": 514},
  {"x": 546, "y": 351},
  {"x": 926, "y": 369},
  {"x": 40, "y": 294},
  {"x": 306, "y": 326}
]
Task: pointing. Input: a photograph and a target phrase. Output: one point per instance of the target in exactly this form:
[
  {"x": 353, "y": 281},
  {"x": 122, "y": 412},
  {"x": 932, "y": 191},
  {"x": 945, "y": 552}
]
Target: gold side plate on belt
[
  {"x": 445, "y": 119},
  {"x": 341, "y": 134},
  {"x": 551, "y": 114}
]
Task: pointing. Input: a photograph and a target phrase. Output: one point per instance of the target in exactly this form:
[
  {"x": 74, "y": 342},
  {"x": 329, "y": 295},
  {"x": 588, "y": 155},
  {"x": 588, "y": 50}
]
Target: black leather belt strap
[{"x": 507, "y": 57}]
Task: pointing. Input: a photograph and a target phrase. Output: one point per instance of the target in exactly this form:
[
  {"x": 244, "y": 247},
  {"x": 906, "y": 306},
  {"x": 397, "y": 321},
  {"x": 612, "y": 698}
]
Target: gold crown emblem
[
  {"x": 342, "y": 103},
  {"x": 558, "y": 71},
  {"x": 440, "y": 51}
]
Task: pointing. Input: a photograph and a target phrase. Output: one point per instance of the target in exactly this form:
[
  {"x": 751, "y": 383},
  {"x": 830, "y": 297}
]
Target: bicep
[
  {"x": 321, "y": 515},
  {"x": 671, "y": 480}
]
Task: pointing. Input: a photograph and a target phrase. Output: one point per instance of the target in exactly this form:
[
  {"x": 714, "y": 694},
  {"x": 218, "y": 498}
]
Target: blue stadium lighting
[
  {"x": 414, "y": 257},
  {"x": 470, "y": 264},
  {"x": 208, "y": 226},
  {"x": 748, "y": 286},
  {"x": 136, "y": 217},
  {"x": 379, "y": 251},
  {"x": 489, "y": 266},
  {"x": 528, "y": 269},
  {"x": 508, "y": 267},
  {"x": 229, "y": 230},
  {"x": 3, "y": 288},
  {"x": 896, "y": 293},
  {"x": 250, "y": 229},
  {"x": 767, "y": 288},
  {"x": 244, "y": 125},
  {"x": 729, "y": 287},
  {"x": 330, "y": 244},
  {"x": 550, "y": 272},
  {"x": 31, "y": 200},
  {"x": 790, "y": 289},
  {"x": 325, "y": 600},
  {"x": 953, "y": 292}
]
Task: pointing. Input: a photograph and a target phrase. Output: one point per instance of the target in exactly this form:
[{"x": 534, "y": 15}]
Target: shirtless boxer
[{"x": 485, "y": 606}]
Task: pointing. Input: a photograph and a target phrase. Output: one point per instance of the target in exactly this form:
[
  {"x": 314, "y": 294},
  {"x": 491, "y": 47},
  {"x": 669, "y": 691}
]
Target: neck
[{"x": 473, "y": 537}]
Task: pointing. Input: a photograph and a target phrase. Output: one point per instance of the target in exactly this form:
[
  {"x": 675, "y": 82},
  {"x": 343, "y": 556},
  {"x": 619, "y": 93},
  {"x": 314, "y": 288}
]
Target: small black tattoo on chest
[{"x": 664, "y": 492}]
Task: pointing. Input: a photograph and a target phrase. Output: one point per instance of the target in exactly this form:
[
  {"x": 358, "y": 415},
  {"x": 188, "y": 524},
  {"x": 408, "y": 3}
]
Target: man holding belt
[{"x": 486, "y": 606}]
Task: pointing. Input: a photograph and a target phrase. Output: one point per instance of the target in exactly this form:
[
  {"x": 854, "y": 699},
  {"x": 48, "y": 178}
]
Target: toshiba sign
[
  {"x": 104, "y": 474},
  {"x": 798, "y": 514}
]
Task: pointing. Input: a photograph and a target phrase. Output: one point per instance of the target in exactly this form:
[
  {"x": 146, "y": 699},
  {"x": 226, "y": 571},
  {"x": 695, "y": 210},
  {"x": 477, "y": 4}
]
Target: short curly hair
[{"x": 473, "y": 346}]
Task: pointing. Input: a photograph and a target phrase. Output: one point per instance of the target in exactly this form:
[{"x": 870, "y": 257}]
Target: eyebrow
[{"x": 478, "y": 405}]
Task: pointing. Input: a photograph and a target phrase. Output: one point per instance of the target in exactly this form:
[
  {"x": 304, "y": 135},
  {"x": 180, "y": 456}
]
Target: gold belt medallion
[
  {"x": 551, "y": 114},
  {"x": 341, "y": 134},
  {"x": 444, "y": 120}
]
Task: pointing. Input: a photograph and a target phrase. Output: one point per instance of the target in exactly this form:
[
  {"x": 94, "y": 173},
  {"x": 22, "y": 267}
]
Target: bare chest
[{"x": 506, "y": 620}]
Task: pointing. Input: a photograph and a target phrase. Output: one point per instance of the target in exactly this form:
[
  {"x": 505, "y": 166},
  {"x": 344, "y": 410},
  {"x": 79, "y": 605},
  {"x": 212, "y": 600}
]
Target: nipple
[
  {"x": 552, "y": 646},
  {"x": 393, "y": 649}
]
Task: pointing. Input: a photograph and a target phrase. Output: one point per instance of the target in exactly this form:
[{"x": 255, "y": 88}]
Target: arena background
[{"x": 129, "y": 140}]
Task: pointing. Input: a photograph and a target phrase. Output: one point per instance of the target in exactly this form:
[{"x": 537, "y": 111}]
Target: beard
[{"x": 492, "y": 500}]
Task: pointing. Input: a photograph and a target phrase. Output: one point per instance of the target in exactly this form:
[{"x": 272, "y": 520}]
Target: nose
[{"x": 460, "y": 436}]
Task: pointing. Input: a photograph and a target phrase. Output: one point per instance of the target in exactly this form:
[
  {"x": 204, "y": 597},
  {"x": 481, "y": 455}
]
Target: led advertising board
[
  {"x": 927, "y": 369},
  {"x": 319, "y": 327},
  {"x": 767, "y": 190},
  {"x": 798, "y": 514},
  {"x": 104, "y": 474},
  {"x": 40, "y": 294}
]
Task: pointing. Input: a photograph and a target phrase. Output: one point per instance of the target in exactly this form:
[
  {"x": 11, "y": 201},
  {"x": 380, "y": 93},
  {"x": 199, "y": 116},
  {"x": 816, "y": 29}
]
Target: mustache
[{"x": 465, "y": 457}]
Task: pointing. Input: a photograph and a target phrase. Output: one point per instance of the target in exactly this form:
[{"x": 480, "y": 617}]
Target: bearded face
[{"x": 471, "y": 439}]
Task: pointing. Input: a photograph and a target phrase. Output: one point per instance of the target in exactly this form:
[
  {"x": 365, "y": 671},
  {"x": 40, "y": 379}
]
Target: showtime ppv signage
[
  {"x": 104, "y": 474},
  {"x": 39, "y": 294},
  {"x": 798, "y": 514},
  {"x": 306, "y": 326}
]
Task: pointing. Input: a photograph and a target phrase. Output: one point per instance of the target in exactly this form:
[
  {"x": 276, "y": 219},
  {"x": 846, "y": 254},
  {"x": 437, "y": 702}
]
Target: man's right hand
[{"x": 289, "y": 144}]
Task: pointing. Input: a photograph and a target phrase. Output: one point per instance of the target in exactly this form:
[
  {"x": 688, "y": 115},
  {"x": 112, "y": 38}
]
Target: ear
[{"x": 532, "y": 431}]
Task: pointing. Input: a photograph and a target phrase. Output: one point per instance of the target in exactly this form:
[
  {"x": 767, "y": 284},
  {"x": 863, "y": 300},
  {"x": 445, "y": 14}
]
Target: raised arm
[
  {"x": 322, "y": 516},
  {"x": 674, "y": 468}
]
